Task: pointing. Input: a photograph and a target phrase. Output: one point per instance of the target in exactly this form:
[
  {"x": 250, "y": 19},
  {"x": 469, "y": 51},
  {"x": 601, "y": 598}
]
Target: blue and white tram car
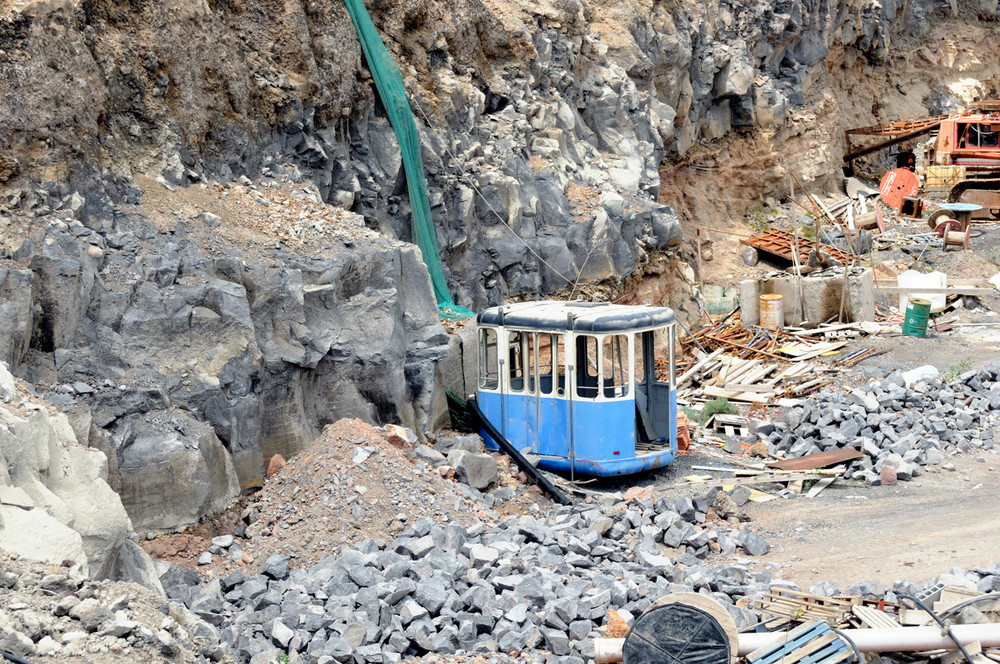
[{"x": 588, "y": 386}]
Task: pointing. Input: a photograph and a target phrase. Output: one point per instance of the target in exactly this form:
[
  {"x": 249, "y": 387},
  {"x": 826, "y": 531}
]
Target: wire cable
[
  {"x": 955, "y": 608},
  {"x": 13, "y": 658},
  {"x": 850, "y": 642},
  {"x": 945, "y": 627}
]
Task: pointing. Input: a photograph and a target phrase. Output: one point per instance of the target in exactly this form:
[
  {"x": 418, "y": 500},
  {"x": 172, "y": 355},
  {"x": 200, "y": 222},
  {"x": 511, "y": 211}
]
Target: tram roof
[{"x": 558, "y": 316}]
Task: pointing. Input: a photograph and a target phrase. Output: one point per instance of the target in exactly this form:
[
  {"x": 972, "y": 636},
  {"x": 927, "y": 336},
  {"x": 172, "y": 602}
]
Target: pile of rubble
[
  {"x": 54, "y": 611},
  {"x": 524, "y": 584},
  {"x": 354, "y": 482},
  {"x": 898, "y": 423}
]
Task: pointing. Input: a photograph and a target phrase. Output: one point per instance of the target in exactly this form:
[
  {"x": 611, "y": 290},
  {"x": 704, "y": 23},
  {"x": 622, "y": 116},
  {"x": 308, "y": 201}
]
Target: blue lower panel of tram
[{"x": 603, "y": 440}]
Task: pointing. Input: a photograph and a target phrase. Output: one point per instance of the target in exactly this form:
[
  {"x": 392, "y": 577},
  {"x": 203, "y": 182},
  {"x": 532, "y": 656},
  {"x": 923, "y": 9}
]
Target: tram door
[
  {"x": 550, "y": 404},
  {"x": 653, "y": 392},
  {"x": 536, "y": 382}
]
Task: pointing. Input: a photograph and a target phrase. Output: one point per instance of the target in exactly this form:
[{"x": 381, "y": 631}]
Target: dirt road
[{"x": 914, "y": 530}]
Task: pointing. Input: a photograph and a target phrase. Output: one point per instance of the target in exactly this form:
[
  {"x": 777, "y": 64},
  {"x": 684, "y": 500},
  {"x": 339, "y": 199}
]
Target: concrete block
[
  {"x": 822, "y": 296},
  {"x": 749, "y": 302}
]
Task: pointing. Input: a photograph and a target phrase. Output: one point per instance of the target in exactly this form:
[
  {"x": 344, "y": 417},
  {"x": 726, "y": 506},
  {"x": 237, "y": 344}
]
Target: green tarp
[{"x": 389, "y": 82}]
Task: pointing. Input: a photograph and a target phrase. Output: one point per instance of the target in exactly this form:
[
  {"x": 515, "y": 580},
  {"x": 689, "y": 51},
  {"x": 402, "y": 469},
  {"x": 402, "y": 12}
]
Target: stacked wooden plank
[
  {"x": 799, "y": 605},
  {"x": 749, "y": 381},
  {"x": 868, "y": 616}
]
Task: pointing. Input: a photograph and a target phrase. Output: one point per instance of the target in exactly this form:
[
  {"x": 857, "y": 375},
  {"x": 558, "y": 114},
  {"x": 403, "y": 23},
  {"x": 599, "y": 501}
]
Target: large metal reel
[{"x": 685, "y": 628}]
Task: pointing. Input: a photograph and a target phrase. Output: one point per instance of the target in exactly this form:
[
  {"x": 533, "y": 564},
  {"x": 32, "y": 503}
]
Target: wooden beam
[{"x": 959, "y": 290}]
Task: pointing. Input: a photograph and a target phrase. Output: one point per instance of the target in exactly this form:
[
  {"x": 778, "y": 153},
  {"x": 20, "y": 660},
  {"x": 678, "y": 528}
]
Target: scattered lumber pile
[
  {"x": 797, "y": 627},
  {"x": 809, "y": 621},
  {"x": 799, "y": 606},
  {"x": 758, "y": 365},
  {"x": 750, "y": 381}
]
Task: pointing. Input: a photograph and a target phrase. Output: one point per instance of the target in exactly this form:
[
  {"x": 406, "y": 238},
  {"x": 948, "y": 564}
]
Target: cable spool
[
  {"x": 684, "y": 628},
  {"x": 951, "y": 233},
  {"x": 937, "y": 217}
]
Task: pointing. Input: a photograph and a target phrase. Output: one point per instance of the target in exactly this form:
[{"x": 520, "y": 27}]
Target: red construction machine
[{"x": 963, "y": 160}]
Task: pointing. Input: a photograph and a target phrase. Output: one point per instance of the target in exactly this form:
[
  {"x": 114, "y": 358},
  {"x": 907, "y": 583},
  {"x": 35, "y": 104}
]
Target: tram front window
[
  {"x": 489, "y": 370},
  {"x": 663, "y": 351}
]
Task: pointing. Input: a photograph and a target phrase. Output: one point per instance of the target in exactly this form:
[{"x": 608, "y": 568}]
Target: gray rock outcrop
[
  {"x": 55, "y": 501},
  {"x": 190, "y": 372}
]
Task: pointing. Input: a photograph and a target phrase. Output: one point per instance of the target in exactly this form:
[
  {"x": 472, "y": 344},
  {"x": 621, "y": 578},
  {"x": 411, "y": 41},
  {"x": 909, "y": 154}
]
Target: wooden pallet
[
  {"x": 731, "y": 425},
  {"x": 802, "y": 606},
  {"x": 812, "y": 643},
  {"x": 867, "y": 616}
]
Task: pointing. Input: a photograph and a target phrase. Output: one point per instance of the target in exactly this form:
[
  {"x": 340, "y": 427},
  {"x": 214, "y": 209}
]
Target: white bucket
[{"x": 772, "y": 315}]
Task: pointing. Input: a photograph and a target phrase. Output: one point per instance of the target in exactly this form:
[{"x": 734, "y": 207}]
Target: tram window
[
  {"x": 639, "y": 365},
  {"x": 586, "y": 367},
  {"x": 663, "y": 352},
  {"x": 548, "y": 360},
  {"x": 516, "y": 359},
  {"x": 615, "y": 360},
  {"x": 489, "y": 371}
]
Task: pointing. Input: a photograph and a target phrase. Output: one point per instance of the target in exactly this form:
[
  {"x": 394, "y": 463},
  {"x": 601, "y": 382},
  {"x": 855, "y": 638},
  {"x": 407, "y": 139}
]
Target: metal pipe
[{"x": 887, "y": 639}]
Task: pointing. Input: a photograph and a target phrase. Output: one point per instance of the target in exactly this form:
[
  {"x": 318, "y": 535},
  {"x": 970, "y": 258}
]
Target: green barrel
[{"x": 915, "y": 320}]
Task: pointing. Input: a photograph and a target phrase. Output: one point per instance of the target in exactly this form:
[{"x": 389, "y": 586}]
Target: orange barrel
[{"x": 772, "y": 315}]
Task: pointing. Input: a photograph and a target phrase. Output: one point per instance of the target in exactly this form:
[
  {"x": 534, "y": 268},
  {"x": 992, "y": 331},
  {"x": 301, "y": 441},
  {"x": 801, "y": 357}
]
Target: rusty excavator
[{"x": 962, "y": 160}]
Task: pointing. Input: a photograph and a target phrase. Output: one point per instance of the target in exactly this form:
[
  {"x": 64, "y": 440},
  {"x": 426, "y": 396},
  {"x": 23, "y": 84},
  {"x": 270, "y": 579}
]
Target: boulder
[
  {"x": 476, "y": 470},
  {"x": 36, "y": 535},
  {"x": 58, "y": 505},
  {"x": 159, "y": 454}
]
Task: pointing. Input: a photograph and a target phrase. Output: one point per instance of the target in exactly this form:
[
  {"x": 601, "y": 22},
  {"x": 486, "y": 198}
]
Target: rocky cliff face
[
  {"x": 189, "y": 369},
  {"x": 190, "y": 351},
  {"x": 55, "y": 502}
]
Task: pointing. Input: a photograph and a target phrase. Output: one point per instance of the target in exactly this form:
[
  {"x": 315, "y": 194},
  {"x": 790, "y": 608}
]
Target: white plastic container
[{"x": 914, "y": 279}]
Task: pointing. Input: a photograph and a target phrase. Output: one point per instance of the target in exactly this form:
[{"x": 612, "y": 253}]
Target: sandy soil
[{"x": 913, "y": 531}]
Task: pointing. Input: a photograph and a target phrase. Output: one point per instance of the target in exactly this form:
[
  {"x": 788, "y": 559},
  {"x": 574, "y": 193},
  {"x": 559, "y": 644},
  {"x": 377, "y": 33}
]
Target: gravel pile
[
  {"x": 354, "y": 482},
  {"x": 899, "y": 424},
  {"x": 521, "y": 585},
  {"x": 55, "y": 613},
  {"x": 357, "y": 482}
]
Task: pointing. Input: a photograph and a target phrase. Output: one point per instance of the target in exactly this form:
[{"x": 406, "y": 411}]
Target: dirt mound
[
  {"x": 965, "y": 265},
  {"x": 355, "y": 482}
]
